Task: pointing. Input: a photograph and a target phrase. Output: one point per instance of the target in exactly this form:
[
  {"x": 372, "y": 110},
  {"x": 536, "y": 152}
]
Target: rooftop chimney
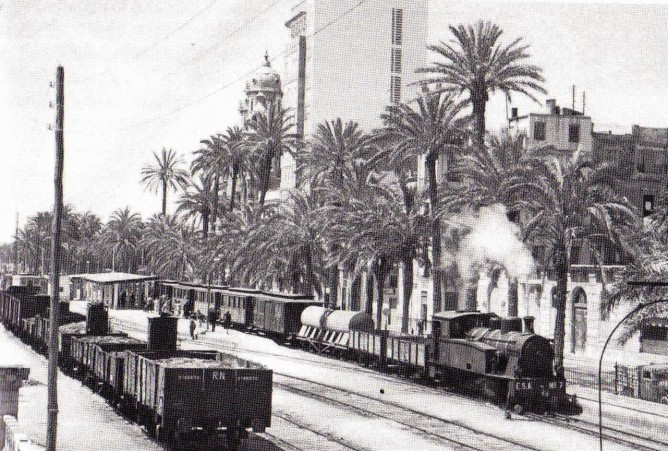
[{"x": 551, "y": 106}]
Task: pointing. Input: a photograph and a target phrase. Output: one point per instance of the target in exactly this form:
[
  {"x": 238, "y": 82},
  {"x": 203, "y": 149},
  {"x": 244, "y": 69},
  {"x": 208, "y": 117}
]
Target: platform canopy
[{"x": 107, "y": 278}]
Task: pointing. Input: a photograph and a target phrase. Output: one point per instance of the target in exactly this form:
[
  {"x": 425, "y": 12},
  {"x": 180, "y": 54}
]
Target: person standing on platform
[
  {"x": 227, "y": 322},
  {"x": 193, "y": 325},
  {"x": 212, "y": 319}
]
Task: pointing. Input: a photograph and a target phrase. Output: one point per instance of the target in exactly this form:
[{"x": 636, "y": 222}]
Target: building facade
[
  {"x": 563, "y": 130},
  {"x": 346, "y": 59}
]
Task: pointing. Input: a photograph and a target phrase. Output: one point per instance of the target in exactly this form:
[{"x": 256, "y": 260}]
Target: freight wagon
[
  {"x": 184, "y": 395},
  {"x": 279, "y": 314}
]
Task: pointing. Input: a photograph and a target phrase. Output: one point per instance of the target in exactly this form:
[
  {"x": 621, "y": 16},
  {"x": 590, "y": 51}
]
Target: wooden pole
[{"x": 52, "y": 421}]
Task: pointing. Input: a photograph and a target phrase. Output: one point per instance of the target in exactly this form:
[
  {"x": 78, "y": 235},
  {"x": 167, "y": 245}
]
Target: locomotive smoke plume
[{"x": 491, "y": 239}]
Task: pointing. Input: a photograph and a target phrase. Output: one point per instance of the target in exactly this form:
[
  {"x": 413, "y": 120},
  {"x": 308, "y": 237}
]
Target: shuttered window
[
  {"x": 395, "y": 63},
  {"x": 397, "y": 25},
  {"x": 395, "y": 89}
]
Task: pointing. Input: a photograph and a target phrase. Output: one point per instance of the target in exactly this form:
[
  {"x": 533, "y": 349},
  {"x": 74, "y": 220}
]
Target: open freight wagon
[{"x": 185, "y": 395}]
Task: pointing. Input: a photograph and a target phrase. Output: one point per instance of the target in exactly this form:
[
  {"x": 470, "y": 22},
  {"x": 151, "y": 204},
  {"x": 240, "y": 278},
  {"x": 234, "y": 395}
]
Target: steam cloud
[{"x": 491, "y": 238}]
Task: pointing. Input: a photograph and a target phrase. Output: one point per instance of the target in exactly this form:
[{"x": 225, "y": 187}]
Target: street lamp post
[{"x": 641, "y": 306}]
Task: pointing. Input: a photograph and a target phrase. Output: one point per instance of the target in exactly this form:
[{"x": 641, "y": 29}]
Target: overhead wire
[
  {"x": 229, "y": 35},
  {"x": 246, "y": 74},
  {"x": 167, "y": 36}
]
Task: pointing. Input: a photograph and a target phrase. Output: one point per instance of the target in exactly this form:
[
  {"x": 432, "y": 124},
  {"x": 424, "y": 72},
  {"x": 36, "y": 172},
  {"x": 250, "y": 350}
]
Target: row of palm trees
[{"x": 358, "y": 208}]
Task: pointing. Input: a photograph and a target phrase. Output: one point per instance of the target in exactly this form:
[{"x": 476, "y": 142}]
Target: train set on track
[
  {"x": 188, "y": 395},
  {"x": 500, "y": 359},
  {"x": 187, "y": 399}
]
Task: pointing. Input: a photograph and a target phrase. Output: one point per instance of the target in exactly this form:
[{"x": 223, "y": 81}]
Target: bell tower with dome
[{"x": 263, "y": 91}]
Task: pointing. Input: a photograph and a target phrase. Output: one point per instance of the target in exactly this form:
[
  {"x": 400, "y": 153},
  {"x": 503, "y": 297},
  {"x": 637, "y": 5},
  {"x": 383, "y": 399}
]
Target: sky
[{"x": 148, "y": 74}]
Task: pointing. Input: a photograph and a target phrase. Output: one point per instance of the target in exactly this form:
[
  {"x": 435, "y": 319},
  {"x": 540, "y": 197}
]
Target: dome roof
[{"x": 265, "y": 78}]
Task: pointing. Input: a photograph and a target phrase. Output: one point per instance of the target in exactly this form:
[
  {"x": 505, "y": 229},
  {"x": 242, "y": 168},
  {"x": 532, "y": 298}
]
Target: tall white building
[{"x": 349, "y": 59}]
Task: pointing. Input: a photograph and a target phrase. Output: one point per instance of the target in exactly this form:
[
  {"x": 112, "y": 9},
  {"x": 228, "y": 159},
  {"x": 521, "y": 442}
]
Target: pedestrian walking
[
  {"x": 227, "y": 321},
  {"x": 193, "y": 325}
]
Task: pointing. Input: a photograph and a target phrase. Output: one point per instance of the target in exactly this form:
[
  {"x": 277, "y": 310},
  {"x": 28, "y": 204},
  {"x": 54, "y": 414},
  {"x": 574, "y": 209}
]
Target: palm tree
[
  {"x": 197, "y": 201},
  {"x": 328, "y": 159},
  {"x": 211, "y": 161},
  {"x": 477, "y": 65},
  {"x": 270, "y": 138},
  {"x": 648, "y": 251},
  {"x": 164, "y": 173},
  {"x": 430, "y": 131},
  {"x": 381, "y": 231},
  {"x": 574, "y": 205},
  {"x": 173, "y": 247},
  {"x": 236, "y": 157},
  {"x": 332, "y": 150},
  {"x": 289, "y": 243},
  {"x": 120, "y": 236}
]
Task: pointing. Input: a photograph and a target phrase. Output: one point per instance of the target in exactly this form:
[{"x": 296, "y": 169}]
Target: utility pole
[
  {"x": 16, "y": 245},
  {"x": 52, "y": 419},
  {"x": 583, "y": 102}
]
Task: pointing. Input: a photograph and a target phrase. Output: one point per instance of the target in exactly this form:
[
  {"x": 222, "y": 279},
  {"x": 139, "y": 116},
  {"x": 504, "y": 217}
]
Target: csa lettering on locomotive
[{"x": 523, "y": 385}]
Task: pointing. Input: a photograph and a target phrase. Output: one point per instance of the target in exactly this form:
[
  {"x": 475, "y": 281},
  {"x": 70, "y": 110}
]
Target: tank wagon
[{"x": 324, "y": 329}]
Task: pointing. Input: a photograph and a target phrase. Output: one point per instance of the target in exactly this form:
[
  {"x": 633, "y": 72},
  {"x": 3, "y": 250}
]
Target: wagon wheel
[
  {"x": 664, "y": 400},
  {"x": 233, "y": 439},
  {"x": 627, "y": 391}
]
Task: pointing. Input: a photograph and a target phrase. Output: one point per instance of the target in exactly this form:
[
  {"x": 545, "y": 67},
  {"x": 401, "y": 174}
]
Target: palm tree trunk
[
  {"x": 205, "y": 225},
  {"x": 435, "y": 233},
  {"x": 513, "y": 295},
  {"x": 214, "y": 206},
  {"x": 164, "y": 198},
  {"x": 355, "y": 293},
  {"x": 333, "y": 285},
  {"x": 309, "y": 276},
  {"x": 471, "y": 294},
  {"x": 479, "y": 105},
  {"x": 408, "y": 290},
  {"x": 265, "y": 173},
  {"x": 368, "y": 306},
  {"x": 380, "y": 285},
  {"x": 561, "y": 267},
  {"x": 235, "y": 174}
]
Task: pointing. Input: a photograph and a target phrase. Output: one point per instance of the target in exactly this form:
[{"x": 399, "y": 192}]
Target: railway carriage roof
[
  {"x": 286, "y": 297},
  {"x": 116, "y": 277},
  {"x": 454, "y": 314}
]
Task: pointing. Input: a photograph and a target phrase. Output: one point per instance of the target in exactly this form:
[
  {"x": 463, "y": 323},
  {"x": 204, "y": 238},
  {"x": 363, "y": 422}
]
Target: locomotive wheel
[{"x": 519, "y": 409}]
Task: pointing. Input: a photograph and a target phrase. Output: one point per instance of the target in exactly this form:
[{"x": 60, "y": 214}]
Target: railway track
[
  {"x": 622, "y": 437},
  {"x": 455, "y": 435},
  {"x": 315, "y": 444},
  {"x": 620, "y": 406}
]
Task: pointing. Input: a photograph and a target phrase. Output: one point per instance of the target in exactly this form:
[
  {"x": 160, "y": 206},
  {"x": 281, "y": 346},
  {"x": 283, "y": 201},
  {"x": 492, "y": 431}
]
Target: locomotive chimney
[
  {"x": 97, "y": 319},
  {"x": 528, "y": 324},
  {"x": 162, "y": 333},
  {"x": 505, "y": 326}
]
